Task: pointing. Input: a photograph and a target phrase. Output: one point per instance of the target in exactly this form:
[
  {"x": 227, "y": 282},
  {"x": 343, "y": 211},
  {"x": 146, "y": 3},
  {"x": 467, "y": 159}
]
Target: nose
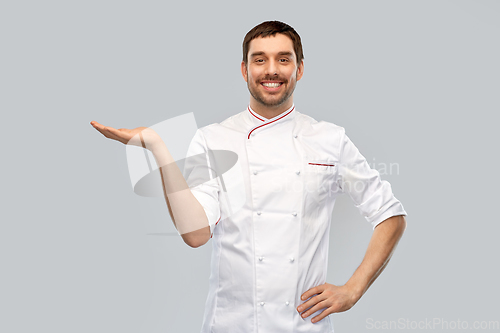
[{"x": 272, "y": 68}]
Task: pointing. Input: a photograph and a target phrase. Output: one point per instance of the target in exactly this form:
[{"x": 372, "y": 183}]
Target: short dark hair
[{"x": 271, "y": 28}]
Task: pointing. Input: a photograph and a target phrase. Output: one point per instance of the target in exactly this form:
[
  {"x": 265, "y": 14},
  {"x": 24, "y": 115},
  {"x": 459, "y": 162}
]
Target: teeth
[{"x": 271, "y": 85}]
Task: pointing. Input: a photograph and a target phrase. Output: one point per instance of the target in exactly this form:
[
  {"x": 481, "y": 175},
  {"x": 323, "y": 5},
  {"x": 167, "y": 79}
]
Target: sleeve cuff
[
  {"x": 394, "y": 210},
  {"x": 213, "y": 215}
]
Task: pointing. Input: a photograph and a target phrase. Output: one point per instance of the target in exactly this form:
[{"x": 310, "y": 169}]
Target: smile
[{"x": 272, "y": 84}]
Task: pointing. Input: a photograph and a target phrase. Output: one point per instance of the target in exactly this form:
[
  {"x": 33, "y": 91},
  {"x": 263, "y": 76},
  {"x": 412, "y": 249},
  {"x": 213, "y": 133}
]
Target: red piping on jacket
[
  {"x": 215, "y": 224},
  {"x": 322, "y": 164},
  {"x": 271, "y": 121},
  {"x": 254, "y": 114}
]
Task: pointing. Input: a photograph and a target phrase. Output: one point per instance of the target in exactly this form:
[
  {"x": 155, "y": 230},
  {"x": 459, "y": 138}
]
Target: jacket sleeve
[
  {"x": 202, "y": 179},
  {"x": 371, "y": 195}
]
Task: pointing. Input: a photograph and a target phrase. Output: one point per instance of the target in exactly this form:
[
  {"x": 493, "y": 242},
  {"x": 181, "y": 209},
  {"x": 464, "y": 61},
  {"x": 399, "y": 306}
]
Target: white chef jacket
[{"x": 270, "y": 215}]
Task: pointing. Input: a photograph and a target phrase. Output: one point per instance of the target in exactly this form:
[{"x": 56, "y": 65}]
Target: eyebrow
[{"x": 287, "y": 53}]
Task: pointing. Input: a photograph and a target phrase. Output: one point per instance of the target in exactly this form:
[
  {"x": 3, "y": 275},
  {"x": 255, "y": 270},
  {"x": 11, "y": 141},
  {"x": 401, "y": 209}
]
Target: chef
[{"x": 268, "y": 217}]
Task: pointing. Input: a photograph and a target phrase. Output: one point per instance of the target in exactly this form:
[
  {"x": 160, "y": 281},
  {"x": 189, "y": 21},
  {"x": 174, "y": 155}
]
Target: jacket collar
[{"x": 257, "y": 121}]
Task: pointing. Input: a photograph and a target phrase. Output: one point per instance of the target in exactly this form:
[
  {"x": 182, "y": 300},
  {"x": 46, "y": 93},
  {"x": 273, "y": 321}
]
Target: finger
[
  {"x": 322, "y": 315},
  {"x": 318, "y": 306},
  {"x": 104, "y": 130},
  {"x": 100, "y": 128},
  {"x": 95, "y": 124},
  {"x": 114, "y": 131},
  {"x": 312, "y": 291},
  {"x": 111, "y": 133},
  {"x": 310, "y": 303}
]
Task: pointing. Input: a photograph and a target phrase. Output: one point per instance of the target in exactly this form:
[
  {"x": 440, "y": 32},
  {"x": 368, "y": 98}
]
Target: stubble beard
[{"x": 259, "y": 97}]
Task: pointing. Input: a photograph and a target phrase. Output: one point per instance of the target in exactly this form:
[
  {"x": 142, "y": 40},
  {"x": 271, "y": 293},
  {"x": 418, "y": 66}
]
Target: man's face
[{"x": 272, "y": 71}]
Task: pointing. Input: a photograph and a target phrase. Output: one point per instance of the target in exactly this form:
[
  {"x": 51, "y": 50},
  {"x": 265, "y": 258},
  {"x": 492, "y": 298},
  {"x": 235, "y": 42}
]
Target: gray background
[{"x": 414, "y": 83}]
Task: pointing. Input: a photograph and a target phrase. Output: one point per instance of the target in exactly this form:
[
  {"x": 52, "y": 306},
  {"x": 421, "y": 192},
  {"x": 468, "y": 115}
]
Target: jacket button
[
  {"x": 261, "y": 258},
  {"x": 258, "y": 213},
  {"x": 287, "y": 303},
  {"x": 294, "y": 213},
  {"x": 297, "y": 172},
  {"x": 255, "y": 172},
  {"x": 295, "y": 136},
  {"x": 262, "y": 303},
  {"x": 292, "y": 259}
]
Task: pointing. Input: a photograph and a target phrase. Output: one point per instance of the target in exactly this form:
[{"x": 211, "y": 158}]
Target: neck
[{"x": 270, "y": 111}]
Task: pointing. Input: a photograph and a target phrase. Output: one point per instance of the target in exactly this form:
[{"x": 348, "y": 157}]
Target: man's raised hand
[{"x": 141, "y": 136}]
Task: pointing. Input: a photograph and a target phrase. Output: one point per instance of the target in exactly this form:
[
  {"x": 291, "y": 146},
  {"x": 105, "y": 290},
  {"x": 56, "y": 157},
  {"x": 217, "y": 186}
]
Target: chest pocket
[{"x": 319, "y": 177}]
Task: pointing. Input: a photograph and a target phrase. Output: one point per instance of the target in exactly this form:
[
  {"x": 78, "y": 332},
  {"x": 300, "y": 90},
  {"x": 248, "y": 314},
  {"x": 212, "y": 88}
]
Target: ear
[
  {"x": 300, "y": 70},
  {"x": 244, "y": 71}
]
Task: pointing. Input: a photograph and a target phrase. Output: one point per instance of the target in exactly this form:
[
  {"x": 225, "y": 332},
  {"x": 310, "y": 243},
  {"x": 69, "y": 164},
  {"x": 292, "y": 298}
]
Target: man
[{"x": 269, "y": 217}]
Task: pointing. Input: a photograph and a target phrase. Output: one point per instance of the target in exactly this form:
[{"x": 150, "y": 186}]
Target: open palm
[{"x": 140, "y": 136}]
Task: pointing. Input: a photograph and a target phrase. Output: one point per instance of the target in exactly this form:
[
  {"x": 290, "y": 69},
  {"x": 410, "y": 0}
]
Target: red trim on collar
[
  {"x": 253, "y": 114},
  {"x": 271, "y": 121}
]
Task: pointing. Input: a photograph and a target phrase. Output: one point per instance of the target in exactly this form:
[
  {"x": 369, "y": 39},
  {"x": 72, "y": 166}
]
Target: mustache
[{"x": 273, "y": 78}]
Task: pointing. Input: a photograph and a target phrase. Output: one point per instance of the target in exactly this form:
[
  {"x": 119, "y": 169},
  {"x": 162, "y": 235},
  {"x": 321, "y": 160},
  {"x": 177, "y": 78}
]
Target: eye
[
  {"x": 259, "y": 60},
  {"x": 284, "y": 60}
]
